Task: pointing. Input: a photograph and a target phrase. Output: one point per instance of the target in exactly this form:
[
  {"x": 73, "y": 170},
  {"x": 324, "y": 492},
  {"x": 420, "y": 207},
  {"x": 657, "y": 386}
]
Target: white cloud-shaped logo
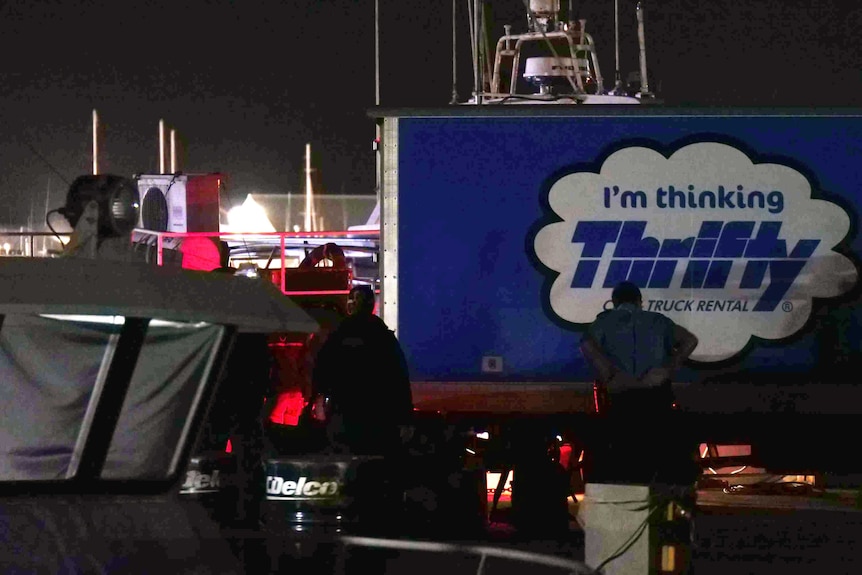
[{"x": 726, "y": 247}]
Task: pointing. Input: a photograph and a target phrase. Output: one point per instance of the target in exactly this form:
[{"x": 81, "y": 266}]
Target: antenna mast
[
  {"x": 454, "y": 58},
  {"x": 618, "y": 83},
  {"x": 642, "y": 44},
  {"x": 378, "y": 164},
  {"x": 480, "y": 50},
  {"x": 376, "y": 52}
]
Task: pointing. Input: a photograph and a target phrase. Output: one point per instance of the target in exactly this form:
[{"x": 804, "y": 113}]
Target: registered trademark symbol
[{"x": 787, "y": 306}]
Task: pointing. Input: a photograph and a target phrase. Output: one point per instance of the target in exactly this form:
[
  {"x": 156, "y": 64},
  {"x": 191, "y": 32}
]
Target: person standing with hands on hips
[{"x": 634, "y": 354}]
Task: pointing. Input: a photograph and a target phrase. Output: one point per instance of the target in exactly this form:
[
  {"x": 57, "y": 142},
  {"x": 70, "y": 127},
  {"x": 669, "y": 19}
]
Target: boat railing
[
  {"x": 274, "y": 246},
  {"x": 279, "y": 249},
  {"x": 32, "y": 244},
  {"x": 581, "y": 50}
]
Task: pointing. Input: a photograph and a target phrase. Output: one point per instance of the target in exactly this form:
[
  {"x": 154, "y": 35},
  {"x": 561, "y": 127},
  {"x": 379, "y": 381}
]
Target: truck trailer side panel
[{"x": 510, "y": 229}]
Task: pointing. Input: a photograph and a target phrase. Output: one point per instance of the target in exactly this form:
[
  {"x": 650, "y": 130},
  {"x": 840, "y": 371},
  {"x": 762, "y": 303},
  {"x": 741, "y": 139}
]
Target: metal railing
[
  {"x": 27, "y": 244},
  {"x": 280, "y": 241},
  {"x": 48, "y": 244}
]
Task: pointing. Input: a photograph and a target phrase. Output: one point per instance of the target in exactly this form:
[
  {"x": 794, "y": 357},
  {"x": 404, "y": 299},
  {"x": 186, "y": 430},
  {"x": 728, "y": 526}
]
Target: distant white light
[
  {"x": 249, "y": 217},
  {"x": 248, "y": 270},
  {"x": 483, "y": 435}
]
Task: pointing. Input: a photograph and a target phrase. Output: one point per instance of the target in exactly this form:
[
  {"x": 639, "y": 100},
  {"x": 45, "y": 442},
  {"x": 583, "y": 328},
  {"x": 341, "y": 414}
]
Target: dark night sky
[{"x": 246, "y": 85}]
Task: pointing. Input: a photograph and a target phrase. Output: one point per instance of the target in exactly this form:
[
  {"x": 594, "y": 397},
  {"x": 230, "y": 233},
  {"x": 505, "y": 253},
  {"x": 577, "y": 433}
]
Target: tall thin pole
[
  {"x": 483, "y": 49},
  {"x": 642, "y": 44},
  {"x": 376, "y": 52},
  {"x": 454, "y": 57},
  {"x": 377, "y": 160},
  {"x": 95, "y": 142},
  {"x": 173, "y": 151},
  {"x": 477, "y": 54},
  {"x": 617, "y": 80},
  {"x": 47, "y": 207},
  {"x": 378, "y": 136},
  {"x": 308, "y": 220},
  {"x": 471, "y": 21},
  {"x": 161, "y": 146}
]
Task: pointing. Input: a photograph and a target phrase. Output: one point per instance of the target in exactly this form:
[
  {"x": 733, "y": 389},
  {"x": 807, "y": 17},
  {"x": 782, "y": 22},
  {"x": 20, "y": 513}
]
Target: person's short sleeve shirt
[{"x": 633, "y": 339}]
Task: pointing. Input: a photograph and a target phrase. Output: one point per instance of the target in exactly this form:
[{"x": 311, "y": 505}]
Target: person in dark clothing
[
  {"x": 360, "y": 381},
  {"x": 634, "y": 354}
]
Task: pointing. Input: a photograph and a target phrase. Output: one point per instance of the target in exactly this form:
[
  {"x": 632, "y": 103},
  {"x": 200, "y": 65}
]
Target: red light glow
[
  {"x": 596, "y": 396},
  {"x": 200, "y": 254},
  {"x": 565, "y": 455},
  {"x": 287, "y": 408}
]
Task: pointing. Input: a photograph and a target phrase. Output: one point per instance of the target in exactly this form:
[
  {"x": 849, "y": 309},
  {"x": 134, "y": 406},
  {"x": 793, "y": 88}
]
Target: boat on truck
[{"x": 555, "y": 60}]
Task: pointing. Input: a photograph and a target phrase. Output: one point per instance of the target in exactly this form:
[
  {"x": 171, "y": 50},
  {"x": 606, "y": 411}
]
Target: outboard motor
[
  {"x": 329, "y": 493},
  {"x": 210, "y": 481}
]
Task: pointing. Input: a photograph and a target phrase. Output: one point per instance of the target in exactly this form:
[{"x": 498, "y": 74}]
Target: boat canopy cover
[{"x": 52, "y": 371}]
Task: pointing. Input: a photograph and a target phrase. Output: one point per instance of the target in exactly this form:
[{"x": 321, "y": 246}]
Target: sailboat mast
[
  {"x": 95, "y": 142},
  {"x": 308, "y": 199},
  {"x": 161, "y": 146},
  {"x": 173, "y": 151}
]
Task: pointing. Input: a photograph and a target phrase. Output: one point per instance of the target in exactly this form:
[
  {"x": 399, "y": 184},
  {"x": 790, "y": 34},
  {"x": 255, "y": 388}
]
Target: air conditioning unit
[{"x": 179, "y": 202}]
